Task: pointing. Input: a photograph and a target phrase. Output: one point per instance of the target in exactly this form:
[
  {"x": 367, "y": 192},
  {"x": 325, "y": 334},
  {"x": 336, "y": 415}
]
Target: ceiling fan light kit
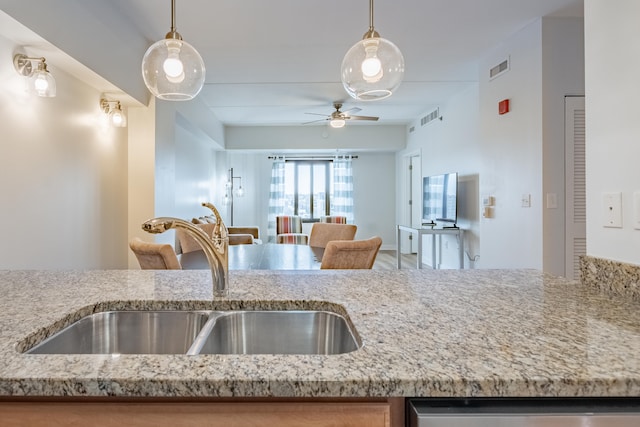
[
  {"x": 373, "y": 68},
  {"x": 337, "y": 123},
  {"x": 338, "y": 118},
  {"x": 171, "y": 68}
]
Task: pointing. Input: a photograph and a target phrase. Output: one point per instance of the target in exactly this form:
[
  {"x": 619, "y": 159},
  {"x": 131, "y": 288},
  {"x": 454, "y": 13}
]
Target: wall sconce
[
  {"x": 42, "y": 80},
  {"x": 230, "y": 192},
  {"x": 113, "y": 110}
]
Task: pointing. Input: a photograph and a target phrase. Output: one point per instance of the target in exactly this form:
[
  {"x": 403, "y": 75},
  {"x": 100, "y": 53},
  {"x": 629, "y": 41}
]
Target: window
[{"x": 307, "y": 188}]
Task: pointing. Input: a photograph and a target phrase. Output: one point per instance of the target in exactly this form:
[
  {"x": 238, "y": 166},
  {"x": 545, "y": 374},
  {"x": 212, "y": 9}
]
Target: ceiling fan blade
[
  {"x": 362, "y": 118},
  {"x": 317, "y": 114},
  {"x": 351, "y": 110},
  {"x": 315, "y": 121}
]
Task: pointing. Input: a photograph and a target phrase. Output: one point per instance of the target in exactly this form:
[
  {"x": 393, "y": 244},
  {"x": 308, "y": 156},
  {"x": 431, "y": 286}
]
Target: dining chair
[
  {"x": 322, "y": 233},
  {"x": 155, "y": 256},
  {"x": 288, "y": 224},
  {"x": 351, "y": 254},
  {"x": 289, "y": 230},
  {"x": 185, "y": 243},
  {"x": 292, "y": 238},
  {"x": 241, "y": 239},
  {"x": 334, "y": 219},
  {"x": 253, "y": 230}
]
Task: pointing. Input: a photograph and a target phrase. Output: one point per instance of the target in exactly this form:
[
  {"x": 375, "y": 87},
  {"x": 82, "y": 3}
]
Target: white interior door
[
  {"x": 416, "y": 197},
  {"x": 575, "y": 183},
  {"x": 411, "y": 200}
]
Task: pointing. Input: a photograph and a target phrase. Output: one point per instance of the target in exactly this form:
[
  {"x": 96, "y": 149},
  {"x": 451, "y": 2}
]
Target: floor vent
[
  {"x": 499, "y": 69},
  {"x": 435, "y": 114}
]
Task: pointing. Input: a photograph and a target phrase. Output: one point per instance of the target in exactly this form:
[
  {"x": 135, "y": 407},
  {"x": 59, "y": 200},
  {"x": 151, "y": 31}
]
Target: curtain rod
[{"x": 327, "y": 157}]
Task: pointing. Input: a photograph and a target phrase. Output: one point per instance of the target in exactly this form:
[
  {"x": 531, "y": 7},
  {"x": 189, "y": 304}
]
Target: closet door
[{"x": 575, "y": 182}]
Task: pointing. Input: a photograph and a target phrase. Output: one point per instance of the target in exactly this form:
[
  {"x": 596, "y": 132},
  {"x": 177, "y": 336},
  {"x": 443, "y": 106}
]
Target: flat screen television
[{"x": 440, "y": 198}]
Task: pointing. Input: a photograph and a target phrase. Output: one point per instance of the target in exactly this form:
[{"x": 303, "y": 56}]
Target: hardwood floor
[{"x": 386, "y": 260}]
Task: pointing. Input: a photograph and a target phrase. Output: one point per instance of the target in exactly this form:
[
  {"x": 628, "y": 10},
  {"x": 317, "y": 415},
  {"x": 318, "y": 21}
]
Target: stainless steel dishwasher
[{"x": 515, "y": 412}]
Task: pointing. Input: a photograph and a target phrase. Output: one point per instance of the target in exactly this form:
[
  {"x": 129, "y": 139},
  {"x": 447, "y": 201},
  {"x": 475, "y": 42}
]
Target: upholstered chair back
[
  {"x": 351, "y": 254},
  {"x": 288, "y": 224},
  {"x": 334, "y": 219},
  {"x": 322, "y": 233},
  {"x": 185, "y": 243},
  {"x": 292, "y": 238},
  {"x": 155, "y": 256}
]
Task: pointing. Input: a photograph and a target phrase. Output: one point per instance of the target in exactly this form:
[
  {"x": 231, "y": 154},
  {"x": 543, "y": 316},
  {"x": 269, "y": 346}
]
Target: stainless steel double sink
[{"x": 194, "y": 332}]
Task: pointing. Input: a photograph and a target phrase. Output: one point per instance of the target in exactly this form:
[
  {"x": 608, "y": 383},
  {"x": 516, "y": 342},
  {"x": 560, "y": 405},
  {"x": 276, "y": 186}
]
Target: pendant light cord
[
  {"x": 173, "y": 16},
  {"x": 371, "y": 15},
  {"x": 371, "y": 32}
]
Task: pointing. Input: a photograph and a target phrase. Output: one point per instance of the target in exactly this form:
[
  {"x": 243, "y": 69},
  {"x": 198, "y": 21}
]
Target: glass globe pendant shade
[
  {"x": 372, "y": 69},
  {"x": 173, "y": 70}
]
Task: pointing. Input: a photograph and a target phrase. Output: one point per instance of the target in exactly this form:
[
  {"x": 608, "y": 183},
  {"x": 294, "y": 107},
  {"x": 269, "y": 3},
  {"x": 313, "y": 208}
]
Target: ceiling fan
[{"x": 338, "y": 118}]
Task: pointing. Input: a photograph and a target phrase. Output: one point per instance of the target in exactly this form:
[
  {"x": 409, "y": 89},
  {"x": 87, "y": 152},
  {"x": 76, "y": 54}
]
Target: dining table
[{"x": 267, "y": 256}]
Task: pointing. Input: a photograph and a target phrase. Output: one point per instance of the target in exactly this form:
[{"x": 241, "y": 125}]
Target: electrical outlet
[{"x": 552, "y": 201}]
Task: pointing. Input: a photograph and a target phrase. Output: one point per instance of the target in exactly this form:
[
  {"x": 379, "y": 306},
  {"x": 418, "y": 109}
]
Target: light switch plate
[
  {"x": 612, "y": 210},
  {"x": 526, "y": 200},
  {"x": 552, "y": 201}
]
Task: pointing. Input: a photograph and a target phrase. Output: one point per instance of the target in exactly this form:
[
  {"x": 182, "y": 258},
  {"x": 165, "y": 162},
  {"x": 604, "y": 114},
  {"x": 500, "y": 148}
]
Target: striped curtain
[
  {"x": 342, "y": 196},
  {"x": 276, "y": 197}
]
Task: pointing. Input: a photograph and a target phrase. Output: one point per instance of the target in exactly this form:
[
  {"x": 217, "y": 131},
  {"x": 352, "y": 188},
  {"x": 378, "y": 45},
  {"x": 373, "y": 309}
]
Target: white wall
[
  {"x": 612, "y": 57},
  {"x": 63, "y": 177},
  {"x": 506, "y": 156},
  {"x": 141, "y": 172},
  {"x": 185, "y": 162},
  {"x": 453, "y": 145},
  {"x": 512, "y": 153},
  {"x": 562, "y": 75}
]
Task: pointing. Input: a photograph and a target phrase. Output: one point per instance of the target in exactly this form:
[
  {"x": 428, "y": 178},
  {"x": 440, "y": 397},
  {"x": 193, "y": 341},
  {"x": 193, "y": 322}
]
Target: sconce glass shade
[
  {"x": 240, "y": 191},
  {"x": 44, "y": 83},
  {"x": 117, "y": 118},
  {"x": 372, "y": 69},
  {"x": 173, "y": 70}
]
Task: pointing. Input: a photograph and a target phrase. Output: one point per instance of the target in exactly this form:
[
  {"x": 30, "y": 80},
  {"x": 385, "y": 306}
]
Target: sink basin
[
  {"x": 127, "y": 332},
  {"x": 279, "y": 332},
  {"x": 204, "y": 332}
]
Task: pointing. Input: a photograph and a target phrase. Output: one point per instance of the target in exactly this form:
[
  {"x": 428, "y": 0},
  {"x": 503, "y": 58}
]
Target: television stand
[
  {"x": 433, "y": 231},
  {"x": 450, "y": 227},
  {"x": 429, "y": 224}
]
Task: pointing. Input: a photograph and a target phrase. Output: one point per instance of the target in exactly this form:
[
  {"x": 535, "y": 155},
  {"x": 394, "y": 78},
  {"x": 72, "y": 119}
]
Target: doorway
[{"x": 412, "y": 200}]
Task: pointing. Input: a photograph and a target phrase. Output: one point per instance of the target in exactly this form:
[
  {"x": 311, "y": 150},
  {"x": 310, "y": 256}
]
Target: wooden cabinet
[{"x": 262, "y": 413}]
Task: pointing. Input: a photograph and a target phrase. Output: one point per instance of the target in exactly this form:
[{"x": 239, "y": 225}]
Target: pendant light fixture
[
  {"x": 373, "y": 68},
  {"x": 171, "y": 68}
]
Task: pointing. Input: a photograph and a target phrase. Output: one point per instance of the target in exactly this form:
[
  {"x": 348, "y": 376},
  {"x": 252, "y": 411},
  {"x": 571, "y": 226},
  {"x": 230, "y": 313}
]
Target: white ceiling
[{"x": 271, "y": 62}]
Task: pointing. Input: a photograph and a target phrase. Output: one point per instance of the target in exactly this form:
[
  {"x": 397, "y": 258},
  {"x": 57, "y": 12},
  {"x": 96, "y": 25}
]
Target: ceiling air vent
[
  {"x": 412, "y": 129},
  {"x": 435, "y": 114},
  {"x": 499, "y": 69}
]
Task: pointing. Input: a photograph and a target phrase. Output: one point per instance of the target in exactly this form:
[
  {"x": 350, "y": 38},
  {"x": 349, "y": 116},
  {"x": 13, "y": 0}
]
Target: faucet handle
[{"x": 220, "y": 230}]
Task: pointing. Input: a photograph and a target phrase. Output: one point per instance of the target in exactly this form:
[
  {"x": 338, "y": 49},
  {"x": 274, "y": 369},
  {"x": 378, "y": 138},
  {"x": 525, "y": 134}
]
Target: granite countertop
[{"x": 425, "y": 333}]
